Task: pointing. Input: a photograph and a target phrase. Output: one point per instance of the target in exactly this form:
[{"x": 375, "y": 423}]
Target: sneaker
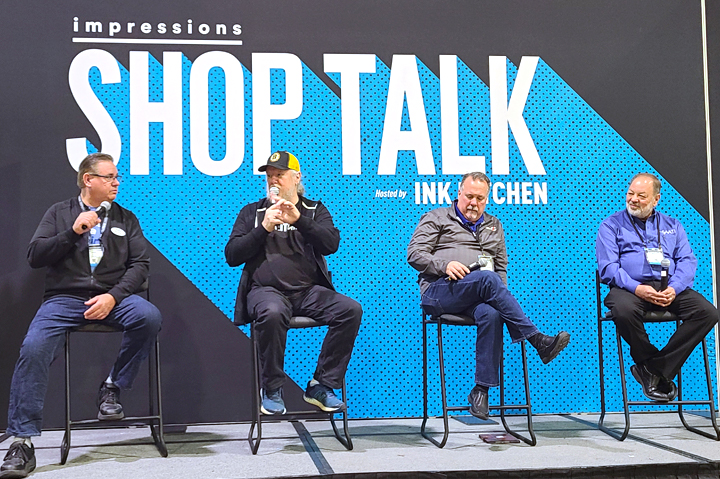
[
  {"x": 548, "y": 347},
  {"x": 323, "y": 397},
  {"x": 108, "y": 403},
  {"x": 478, "y": 400},
  {"x": 19, "y": 460},
  {"x": 272, "y": 402}
]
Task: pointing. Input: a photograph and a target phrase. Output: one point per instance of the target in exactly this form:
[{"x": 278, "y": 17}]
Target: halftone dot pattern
[{"x": 550, "y": 245}]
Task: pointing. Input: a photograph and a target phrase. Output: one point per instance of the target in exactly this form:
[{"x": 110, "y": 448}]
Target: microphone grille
[
  {"x": 106, "y": 205},
  {"x": 665, "y": 263},
  {"x": 274, "y": 190}
]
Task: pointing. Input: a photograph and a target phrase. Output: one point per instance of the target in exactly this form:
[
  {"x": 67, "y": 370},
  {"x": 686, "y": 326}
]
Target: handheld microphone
[
  {"x": 665, "y": 263},
  {"x": 480, "y": 263},
  {"x": 273, "y": 192},
  {"x": 101, "y": 210}
]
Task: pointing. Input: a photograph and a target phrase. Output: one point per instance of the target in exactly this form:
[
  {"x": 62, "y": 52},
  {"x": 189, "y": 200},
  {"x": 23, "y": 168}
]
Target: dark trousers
[
  {"x": 698, "y": 317},
  {"x": 271, "y": 311},
  {"x": 482, "y": 295},
  {"x": 139, "y": 320}
]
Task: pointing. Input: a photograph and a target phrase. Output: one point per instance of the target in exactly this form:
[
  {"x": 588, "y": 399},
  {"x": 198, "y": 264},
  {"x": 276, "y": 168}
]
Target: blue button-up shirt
[{"x": 620, "y": 251}]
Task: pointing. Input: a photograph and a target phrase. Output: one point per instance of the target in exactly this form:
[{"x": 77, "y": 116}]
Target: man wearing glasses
[{"x": 96, "y": 259}]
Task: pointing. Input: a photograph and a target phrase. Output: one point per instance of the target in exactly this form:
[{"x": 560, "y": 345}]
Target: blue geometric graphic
[{"x": 189, "y": 217}]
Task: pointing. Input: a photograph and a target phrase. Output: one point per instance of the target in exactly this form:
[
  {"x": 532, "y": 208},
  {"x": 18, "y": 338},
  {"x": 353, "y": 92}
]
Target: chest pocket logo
[{"x": 118, "y": 231}]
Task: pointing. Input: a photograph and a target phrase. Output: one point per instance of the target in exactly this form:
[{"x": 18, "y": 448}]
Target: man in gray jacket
[{"x": 461, "y": 256}]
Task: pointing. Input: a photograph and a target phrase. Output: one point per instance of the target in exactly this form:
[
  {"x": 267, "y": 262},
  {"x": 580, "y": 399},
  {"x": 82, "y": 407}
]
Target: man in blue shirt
[{"x": 630, "y": 247}]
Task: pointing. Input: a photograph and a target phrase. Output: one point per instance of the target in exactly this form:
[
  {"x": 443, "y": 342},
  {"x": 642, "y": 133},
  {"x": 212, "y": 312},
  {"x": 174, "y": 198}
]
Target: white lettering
[
  {"x": 452, "y": 162},
  {"x": 513, "y": 193},
  {"x": 541, "y": 195},
  {"x": 168, "y": 112},
  {"x": 95, "y": 112},
  {"x": 504, "y": 114},
  {"x": 496, "y": 193},
  {"x": 234, "y": 114},
  {"x": 264, "y": 112},
  {"x": 350, "y": 66},
  {"x": 405, "y": 84},
  {"x": 94, "y": 27},
  {"x": 428, "y": 192},
  {"x": 113, "y": 28}
]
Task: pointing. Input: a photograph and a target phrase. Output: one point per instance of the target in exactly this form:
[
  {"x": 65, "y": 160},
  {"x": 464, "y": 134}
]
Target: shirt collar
[{"x": 472, "y": 226}]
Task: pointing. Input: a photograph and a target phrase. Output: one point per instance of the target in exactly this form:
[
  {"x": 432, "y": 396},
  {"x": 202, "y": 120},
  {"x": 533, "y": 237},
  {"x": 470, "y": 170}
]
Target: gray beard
[{"x": 642, "y": 213}]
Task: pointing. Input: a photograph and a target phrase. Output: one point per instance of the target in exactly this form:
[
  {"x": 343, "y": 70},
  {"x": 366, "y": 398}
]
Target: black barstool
[
  {"x": 462, "y": 320},
  {"x": 154, "y": 418},
  {"x": 650, "y": 317},
  {"x": 296, "y": 322}
]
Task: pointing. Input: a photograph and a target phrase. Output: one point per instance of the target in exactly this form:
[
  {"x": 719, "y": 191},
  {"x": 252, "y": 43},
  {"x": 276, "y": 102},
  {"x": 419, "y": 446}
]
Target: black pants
[
  {"x": 272, "y": 309},
  {"x": 698, "y": 317}
]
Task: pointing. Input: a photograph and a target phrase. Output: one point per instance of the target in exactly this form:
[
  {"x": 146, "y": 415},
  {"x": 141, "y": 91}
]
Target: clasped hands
[
  {"x": 651, "y": 295},
  {"x": 281, "y": 212}
]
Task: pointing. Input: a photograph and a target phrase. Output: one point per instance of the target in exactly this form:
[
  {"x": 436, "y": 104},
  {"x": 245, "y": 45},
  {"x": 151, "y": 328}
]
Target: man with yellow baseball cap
[{"x": 283, "y": 240}]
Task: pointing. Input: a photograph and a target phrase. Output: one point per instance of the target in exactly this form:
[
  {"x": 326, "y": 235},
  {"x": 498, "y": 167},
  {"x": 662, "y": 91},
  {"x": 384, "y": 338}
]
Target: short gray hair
[
  {"x": 87, "y": 165},
  {"x": 477, "y": 176}
]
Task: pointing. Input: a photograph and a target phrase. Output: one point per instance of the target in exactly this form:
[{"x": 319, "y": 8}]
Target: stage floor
[{"x": 567, "y": 446}]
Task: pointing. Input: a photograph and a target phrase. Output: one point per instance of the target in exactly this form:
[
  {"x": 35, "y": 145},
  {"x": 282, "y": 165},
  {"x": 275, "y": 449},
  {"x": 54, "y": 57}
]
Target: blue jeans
[
  {"x": 139, "y": 320},
  {"x": 482, "y": 295}
]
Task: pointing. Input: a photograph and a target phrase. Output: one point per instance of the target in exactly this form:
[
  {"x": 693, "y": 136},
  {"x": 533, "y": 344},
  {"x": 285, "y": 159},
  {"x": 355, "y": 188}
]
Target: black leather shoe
[
  {"x": 668, "y": 387},
  {"x": 548, "y": 347},
  {"x": 478, "y": 400},
  {"x": 19, "y": 460},
  {"x": 649, "y": 383},
  {"x": 108, "y": 403}
]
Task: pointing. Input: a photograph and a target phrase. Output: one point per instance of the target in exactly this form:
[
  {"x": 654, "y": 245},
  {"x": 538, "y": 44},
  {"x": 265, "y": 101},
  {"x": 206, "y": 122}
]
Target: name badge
[
  {"x": 654, "y": 255},
  {"x": 487, "y": 262},
  {"x": 96, "y": 254}
]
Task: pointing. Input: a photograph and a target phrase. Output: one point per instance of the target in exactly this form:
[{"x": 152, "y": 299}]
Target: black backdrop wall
[{"x": 634, "y": 62}]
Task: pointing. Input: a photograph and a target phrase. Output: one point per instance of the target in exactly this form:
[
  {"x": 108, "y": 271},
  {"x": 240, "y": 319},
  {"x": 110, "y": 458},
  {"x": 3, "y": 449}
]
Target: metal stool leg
[
  {"x": 155, "y": 400},
  {"x": 65, "y": 445},
  {"x": 344, "y": 438},
  {"x": 611, "y": 432},
  {"x": 532, "y": 440},
  {"x": 446, "y": 426},
  {"x": 711, "y": 400},
  {"x": 256, "y": 416}
]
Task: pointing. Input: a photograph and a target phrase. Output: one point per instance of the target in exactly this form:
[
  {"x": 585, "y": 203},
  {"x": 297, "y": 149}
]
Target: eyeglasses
[{"x": 108, "y": 178}]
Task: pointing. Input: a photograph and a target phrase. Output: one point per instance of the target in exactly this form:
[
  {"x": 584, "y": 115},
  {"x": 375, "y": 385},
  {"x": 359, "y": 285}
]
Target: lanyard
[
  {"x": 657, "y": 220},
  {"x": 84, "y": 207}
]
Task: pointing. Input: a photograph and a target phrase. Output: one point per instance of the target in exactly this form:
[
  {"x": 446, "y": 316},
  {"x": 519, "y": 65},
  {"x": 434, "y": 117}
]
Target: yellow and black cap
[{"x": 282, "y": 160}]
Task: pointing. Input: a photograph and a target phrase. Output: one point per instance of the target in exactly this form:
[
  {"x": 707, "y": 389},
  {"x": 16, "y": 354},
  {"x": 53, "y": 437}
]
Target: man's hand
[
  {"x": 87, "y": 219},
  {"x": 456, "y": 270},
  {"x": 668, "y": 296},
  {"x": 100, "y": 306},
  {"x": 273, "y": 217},
  {"x": 290, "y": 214},
  {"x": 649, "y": 294}
]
